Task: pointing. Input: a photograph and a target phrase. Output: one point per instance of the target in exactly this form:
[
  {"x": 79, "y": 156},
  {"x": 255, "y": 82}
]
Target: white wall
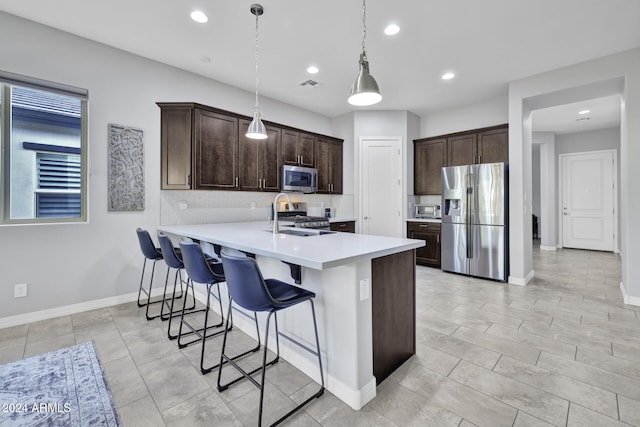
[
  {"x": 615, "y": 74},
  {"x": 490, "y": 113},
  {"x": 548, "y": 229},
  {"x": 535, "y": 180},
  {"x": 72, "y": 263}
]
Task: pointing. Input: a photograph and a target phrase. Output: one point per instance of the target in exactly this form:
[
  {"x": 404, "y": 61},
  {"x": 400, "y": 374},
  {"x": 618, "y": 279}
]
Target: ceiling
[{"x": 486, "y": 43}]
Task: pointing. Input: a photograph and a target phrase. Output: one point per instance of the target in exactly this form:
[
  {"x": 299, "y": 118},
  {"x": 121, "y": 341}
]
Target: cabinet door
[
  {"x": 270, "y": 160},
  {"x": 305, "y": 149},
  {"x": 289, "y": 147},
  {"x": 430, "y": 233},
  {"x": 216, "y": 151},
  {"x": 429, "y": 158},
  {"x": 493, "y": 146},
  {"x": 461, "y": 150},
  {"x": 323, "y": 161},
  {"x": 328, "y": 155},
  {"x": 297, "y": 148},
  {"x": 336, "y": 167},
  {"x": 258, "y": 160},
  {"x": 175, "y": 141}
]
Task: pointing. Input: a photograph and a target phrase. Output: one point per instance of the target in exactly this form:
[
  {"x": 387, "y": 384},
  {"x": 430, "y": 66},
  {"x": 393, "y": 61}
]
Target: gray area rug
[{"x": 65, "y": 387}]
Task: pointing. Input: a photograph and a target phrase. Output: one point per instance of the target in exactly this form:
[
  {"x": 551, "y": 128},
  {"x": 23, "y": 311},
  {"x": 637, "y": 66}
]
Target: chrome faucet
[{"x": 276, "y": 230}]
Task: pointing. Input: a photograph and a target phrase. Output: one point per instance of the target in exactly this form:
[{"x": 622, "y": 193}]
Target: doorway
[
  {"x": 588, "y": 200},
  {"x": 380, "y": 210}
]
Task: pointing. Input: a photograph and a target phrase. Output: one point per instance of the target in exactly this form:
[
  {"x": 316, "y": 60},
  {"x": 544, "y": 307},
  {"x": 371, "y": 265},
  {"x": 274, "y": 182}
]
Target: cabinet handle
[
  {"x": 342, "y": 225},
  {"x": 236, "y": 181},
  {"x": 188, "y": 179},
  {"x": 259, "y": 182},
  {"x": 424, "y": 226},
  {"x": 438, "y": 238},
  {"x": 264, "y": 182},
  {"x": 480, "y": 158}
]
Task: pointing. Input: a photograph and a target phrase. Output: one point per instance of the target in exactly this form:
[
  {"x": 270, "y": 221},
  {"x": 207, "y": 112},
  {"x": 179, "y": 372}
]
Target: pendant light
[
  {"x": 256, "y": 128},
  {"x": 365, "y": 89}
]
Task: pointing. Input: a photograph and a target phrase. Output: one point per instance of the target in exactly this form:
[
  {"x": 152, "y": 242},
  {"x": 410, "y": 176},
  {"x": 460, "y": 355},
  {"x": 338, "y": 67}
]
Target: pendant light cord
[
  {"x": 364, "y": 28},
  {"x": 256, "y": 106}
]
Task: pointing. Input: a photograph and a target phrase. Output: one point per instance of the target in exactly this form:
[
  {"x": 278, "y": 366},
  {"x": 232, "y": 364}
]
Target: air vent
[{"x": 309, "y": 82}]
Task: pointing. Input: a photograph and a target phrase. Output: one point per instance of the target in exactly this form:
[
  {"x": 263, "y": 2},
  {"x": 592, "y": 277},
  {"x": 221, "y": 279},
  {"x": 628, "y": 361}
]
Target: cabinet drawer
[
  {"x": 423, "y": 226},
  {"x": 346, "y": 226}
]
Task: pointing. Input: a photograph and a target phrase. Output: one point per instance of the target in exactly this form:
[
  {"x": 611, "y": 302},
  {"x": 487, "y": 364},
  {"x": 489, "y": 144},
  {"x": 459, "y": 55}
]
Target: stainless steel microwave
[{"x": 298, "y": 178}]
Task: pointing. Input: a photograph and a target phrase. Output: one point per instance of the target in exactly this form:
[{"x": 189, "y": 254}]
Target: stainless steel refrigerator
[{"x": 474, "y": 220}]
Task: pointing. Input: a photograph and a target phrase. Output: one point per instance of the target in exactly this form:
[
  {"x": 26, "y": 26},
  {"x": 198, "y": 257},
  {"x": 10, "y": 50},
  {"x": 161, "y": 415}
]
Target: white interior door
[
  {"x": 381, "y": 186},
  {"x": 588, "y": 200}
]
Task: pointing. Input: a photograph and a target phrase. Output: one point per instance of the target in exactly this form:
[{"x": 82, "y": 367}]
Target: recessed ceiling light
[
  {"x": 448, "y": 76},
  {"x": 199, "y": 16},
  {"x": 312, "y": 69},
  {"x": 391, "y": 30},
  {"x": 584, "y": 112}
]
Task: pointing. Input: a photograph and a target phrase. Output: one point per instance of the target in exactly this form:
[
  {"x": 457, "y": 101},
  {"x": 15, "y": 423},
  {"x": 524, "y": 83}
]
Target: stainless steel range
[{"x": 317, "y": 222}]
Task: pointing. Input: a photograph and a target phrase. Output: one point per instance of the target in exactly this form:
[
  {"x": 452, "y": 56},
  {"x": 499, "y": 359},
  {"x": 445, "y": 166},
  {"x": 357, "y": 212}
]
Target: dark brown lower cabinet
[
  {"x": 429, "y": 232},
  {"x": 393, "y": 304},
  {"x": 344, "y": 226}
]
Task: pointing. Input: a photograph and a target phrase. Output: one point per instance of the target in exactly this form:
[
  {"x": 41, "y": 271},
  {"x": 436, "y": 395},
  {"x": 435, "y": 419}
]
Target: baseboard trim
[
  {"x": 65, "y": 310},
  {"x": 520, "y": 281},
  {"x": 628, "y": 299},
  {"x": 548, "y": 248}
]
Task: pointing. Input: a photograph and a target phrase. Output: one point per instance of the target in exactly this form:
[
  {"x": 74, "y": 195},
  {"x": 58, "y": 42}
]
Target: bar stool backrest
[
  {"x": 169, "y": 252},
  {"x": 245, "y": 282},
  {"x": 147, "y": 247},
  {"x": 196, "y": 264}
]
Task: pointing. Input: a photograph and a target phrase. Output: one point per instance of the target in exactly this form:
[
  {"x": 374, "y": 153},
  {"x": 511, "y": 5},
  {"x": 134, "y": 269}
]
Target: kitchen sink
[{"x": 304, "y": 232}]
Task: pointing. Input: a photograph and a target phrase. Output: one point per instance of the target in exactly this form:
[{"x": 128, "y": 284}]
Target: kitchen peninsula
[{"x": 365, "y": 299}]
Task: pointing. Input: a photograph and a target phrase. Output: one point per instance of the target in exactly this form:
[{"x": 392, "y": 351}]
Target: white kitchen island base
[{"x": 363, "y": 337}]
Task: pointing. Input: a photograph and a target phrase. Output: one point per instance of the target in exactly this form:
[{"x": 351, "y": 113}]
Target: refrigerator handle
[{"x": 470, "y": 197}]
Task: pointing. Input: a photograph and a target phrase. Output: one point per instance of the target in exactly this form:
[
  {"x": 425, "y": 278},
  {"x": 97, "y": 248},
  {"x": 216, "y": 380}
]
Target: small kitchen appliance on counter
[{"x": 428, "y": 211}]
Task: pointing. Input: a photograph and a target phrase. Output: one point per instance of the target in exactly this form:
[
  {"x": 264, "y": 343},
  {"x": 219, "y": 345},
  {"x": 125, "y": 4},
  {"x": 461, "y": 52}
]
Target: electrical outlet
[
  {"x": 183, "y": 205},
  {"x": 253, "y": 205},
  {"x": 20, "y": 290}
]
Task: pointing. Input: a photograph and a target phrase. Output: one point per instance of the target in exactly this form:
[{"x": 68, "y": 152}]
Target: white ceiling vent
[{"x": 309, "y": 82}]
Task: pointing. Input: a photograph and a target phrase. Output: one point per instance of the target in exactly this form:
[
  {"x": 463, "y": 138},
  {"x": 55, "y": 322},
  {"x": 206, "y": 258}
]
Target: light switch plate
[
  {"x": 364, "y": 289},
  {"x": 20, "y": 290}
]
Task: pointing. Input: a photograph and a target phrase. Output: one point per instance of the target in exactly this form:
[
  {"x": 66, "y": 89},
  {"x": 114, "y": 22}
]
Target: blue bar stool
[
  {"x": 249, "y": 290},
  {"x": 151, "y": 253},
  {"x": 172, "y": 258},
  {"x": 208, "y": 272}
]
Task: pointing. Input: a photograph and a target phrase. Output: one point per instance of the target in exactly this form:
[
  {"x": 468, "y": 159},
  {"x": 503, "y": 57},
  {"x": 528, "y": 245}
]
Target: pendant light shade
[
  {"x": 256, "y": 128},
  {"x": 364, "y": 90}
]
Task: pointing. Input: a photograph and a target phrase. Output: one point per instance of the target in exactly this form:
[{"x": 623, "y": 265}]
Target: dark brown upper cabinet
[
  {"x": 205, "y": 148},
  {"x": 297, "y": 148},
  {"x": 328, "y": 154},
  {"x": 486, "y": 145},
  {"x": 429, "y": 156},
  {"x": 493, "y": 145},
  {"x": 175, "y": 142},
  {"x": 260, "y": 160},
  {"x": 461, "y": 149},
  {"x": 215, "y": 158}
]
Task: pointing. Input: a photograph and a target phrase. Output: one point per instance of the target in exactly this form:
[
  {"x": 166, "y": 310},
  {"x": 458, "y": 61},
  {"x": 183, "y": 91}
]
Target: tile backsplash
[{"x": 198, "y": 207}]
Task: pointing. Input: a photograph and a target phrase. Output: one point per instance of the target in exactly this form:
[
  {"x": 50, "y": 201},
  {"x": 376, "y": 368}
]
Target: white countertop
[
  {"x": 436, "y": 220},
  {"x": 317, "y": 252}
]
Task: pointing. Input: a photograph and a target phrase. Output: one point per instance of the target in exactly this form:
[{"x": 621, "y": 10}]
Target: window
[{"x": 44, "y": 144}]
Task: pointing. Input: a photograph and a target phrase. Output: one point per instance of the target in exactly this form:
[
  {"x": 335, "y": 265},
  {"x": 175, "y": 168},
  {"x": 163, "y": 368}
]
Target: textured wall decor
[{"x": 126, "y": 169}]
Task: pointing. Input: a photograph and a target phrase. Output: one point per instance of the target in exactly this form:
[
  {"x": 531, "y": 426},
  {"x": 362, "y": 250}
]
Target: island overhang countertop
[{"x": 317, "y": 252}]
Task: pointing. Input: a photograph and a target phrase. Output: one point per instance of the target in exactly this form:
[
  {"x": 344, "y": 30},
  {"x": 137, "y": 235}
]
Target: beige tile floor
[{"x": 563, "y": 350}]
